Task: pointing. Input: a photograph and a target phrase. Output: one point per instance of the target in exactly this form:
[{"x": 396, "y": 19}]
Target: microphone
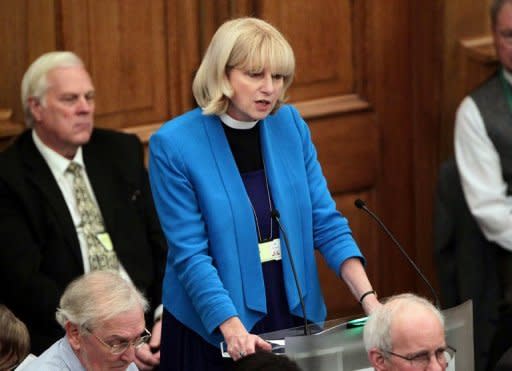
[
  {"x": 360, "y": 204},
  {"x": 275, "y": 215}
]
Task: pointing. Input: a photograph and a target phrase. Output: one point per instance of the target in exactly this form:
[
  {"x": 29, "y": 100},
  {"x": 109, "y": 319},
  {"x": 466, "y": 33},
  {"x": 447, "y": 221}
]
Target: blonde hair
[
  {"x": 246, "y": 43},
  {"x": 35, "y": 83},
  {"x": 96, "y": 297}
]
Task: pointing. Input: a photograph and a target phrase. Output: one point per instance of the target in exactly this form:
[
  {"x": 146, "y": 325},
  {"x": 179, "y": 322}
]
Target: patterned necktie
[{"x": 101, "y": 255}]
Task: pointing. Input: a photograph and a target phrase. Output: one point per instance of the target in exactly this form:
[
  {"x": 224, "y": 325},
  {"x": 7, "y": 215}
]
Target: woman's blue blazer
[{"x": 213, "y": 269}]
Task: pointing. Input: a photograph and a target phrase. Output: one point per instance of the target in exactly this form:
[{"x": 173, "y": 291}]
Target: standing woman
[{"x": 218, "y": 173}]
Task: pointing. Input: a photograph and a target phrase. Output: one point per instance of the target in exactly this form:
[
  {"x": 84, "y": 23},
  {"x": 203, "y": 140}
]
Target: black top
[{"x": 246, "y": 148}]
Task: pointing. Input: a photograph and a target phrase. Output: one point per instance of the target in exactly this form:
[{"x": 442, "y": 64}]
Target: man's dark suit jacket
[
  {"x": 39, "y": 248},
  {"x": 505, "y": 362}
]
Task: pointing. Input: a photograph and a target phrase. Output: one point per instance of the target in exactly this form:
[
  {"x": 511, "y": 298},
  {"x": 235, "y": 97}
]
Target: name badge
[
  {"x": 105, "y": 241},
  {"x": 270, "y": 250}
]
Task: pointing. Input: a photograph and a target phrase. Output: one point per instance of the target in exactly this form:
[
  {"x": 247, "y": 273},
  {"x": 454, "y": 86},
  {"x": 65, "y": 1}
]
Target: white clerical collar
[
  {"x": 508, "y": 76},
  {"x": 236, "y": 124}
]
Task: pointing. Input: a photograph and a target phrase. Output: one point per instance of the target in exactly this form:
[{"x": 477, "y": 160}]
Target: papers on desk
[{"x": 278, "y": 347}]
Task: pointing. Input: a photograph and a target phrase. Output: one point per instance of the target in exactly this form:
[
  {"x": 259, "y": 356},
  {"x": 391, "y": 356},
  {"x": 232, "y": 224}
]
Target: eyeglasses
[
  {"x": 121, "y": 347},
  {"x": 421, "y": 360}
]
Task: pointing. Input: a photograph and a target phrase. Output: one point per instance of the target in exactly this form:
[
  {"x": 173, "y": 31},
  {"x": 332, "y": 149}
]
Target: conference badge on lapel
[{"x": 105, "y": 240}]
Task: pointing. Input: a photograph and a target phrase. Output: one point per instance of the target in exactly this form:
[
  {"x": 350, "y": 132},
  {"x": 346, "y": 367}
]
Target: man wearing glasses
[
  {"x": 103, "y": 316},
  {"x": 407, "y": 333}
]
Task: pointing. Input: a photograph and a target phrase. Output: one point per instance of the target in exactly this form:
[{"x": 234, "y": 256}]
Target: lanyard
[
  {"x": 260, "y": 237},
  {"x": 507, "y": 89}
]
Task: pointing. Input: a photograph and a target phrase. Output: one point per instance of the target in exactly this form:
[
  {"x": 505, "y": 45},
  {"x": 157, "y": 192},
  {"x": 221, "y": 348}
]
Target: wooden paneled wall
[{"x": 368, "y": 82}]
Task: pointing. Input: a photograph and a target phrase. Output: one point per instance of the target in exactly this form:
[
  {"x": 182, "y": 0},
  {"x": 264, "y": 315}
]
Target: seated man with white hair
[
  {"x": 103, "y": 316},
  {"x": 407, "y": 333}
]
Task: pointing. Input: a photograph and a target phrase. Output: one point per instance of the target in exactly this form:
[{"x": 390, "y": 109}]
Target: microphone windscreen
[
  {"x": 275, "y": 213},
  {"x": 359, "y": 203}
]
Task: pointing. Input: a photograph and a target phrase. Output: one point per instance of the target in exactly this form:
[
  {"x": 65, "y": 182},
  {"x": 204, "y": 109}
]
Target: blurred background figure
[
  {"x": 14, "y": 340},
  {"x": 483, "y": 139},
  {"x": 407, "y": 333}
]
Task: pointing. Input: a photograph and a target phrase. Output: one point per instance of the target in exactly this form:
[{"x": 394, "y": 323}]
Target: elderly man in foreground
[
  {"x": 103, "y": 316},
  {"x": 407, "y": 333}
]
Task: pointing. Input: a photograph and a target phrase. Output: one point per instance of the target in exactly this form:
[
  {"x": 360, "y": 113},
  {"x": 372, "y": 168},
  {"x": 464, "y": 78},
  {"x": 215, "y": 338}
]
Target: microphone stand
[
  {"x": 275, "y": 215},
  {"x": 360, "y": 204}
]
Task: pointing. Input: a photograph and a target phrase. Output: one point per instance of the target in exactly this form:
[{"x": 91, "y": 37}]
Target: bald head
[{"x": 411, "y": 318}]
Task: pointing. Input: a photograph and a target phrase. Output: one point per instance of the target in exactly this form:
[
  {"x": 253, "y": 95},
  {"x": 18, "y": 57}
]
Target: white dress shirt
[{"x": 480, "y": 171}]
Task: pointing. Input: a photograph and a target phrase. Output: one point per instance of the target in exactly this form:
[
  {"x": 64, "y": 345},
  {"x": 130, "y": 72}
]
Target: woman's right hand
[{"x": 240, "y": 342}]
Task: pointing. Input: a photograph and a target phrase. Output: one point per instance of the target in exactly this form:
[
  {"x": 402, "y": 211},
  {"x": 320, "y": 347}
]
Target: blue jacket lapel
[
  {"x": 245, "y": 228},
  {"x": 273, "y": 138}
]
